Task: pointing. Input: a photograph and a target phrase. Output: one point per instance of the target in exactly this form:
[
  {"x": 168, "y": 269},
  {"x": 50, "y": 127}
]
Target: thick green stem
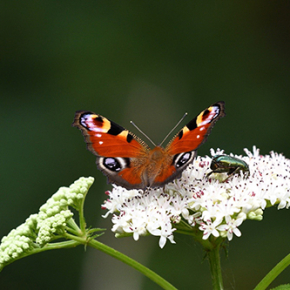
[
  {"x": 215, "y": 267},
  {"x": 132, "y": 263}
]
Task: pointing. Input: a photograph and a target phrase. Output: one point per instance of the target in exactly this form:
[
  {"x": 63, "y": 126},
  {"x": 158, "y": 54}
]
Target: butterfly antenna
[
  {"x": 142, "y": 132},
  {"x": 173, "y": 128}
]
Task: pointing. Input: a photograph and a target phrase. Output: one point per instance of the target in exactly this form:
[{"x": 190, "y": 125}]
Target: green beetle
[{"x": 228, "y": 164}]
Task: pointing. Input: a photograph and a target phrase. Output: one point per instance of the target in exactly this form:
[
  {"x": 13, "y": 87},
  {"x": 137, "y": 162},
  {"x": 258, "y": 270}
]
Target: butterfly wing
[
  {"x": 196, "y": 132},
  {"x": 182, "y": 149},
  {"x": 120, "y": 154},
  {"x": 127, "y": 161}
]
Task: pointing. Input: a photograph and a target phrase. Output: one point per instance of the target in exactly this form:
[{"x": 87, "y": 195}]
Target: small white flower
[
  {"x": 209, "y": 228},
  {"x": 231, "y": 227}
]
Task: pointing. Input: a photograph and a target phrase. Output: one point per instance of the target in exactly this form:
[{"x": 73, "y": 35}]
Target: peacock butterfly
[{"x": 127, "y": 160}]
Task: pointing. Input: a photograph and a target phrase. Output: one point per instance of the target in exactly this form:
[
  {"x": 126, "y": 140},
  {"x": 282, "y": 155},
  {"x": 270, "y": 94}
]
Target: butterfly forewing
[
  {"x": 197, "y": 130},
  {"x": 106, "y": 138}
]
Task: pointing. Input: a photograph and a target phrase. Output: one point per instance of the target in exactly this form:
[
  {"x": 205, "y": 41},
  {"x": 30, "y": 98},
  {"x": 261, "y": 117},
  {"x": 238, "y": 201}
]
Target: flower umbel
[
  {"x": 213, "y": 208},
  {"x": 52, "y": 222}
]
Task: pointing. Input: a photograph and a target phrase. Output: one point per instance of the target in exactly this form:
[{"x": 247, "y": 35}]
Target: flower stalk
[
  {"x": 215, "y": 267},
  {"x": 132, "y": 263}
]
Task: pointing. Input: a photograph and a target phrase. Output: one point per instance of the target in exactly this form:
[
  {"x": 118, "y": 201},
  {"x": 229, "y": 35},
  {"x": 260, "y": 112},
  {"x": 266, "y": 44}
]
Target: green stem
[
  {"x": 82, "y": 217},
  {"x": 269, "y": 278},
  {"x": 52, "y": 246},
  {"x": 215, "y": 267},
  {"x": 81, "y": 212},
  {"x": 123, "y": 258},
  {"x": 132, "y": 263},
  {"x": 73, "y": 227}
]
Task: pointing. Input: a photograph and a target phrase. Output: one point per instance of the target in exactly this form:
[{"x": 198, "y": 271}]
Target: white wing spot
[
  {"x": 101, "y": 142},
  {"x": 99, "y": 135}
]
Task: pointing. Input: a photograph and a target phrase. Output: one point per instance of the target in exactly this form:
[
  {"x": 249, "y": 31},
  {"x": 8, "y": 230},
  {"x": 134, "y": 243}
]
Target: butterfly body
[{"x": 127, "y": 161}]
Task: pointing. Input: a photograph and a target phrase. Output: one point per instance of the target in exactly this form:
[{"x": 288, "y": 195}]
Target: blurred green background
[{"x": 147, "y": 61}]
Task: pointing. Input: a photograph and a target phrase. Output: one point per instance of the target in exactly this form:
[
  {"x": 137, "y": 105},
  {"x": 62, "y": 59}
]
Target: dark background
[{"x": 149, "y": 62}]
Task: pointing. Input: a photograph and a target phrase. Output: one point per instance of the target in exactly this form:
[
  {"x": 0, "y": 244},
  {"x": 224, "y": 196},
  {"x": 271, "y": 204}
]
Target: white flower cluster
[
  {"x": 41, "y": 228},
  {"x": 214, "y": 208}
]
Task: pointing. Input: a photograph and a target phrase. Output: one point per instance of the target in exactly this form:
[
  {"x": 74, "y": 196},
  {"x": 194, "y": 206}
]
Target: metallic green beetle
[{"x": 228, "y": 164}]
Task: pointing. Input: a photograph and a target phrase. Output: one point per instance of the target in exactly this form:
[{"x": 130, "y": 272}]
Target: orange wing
[
  {"x": 106, "y": 138},
  {"x": 121, "y": 156},
  {"x": 181, "y": 151},
  {"x": 195, "y": 133}
]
